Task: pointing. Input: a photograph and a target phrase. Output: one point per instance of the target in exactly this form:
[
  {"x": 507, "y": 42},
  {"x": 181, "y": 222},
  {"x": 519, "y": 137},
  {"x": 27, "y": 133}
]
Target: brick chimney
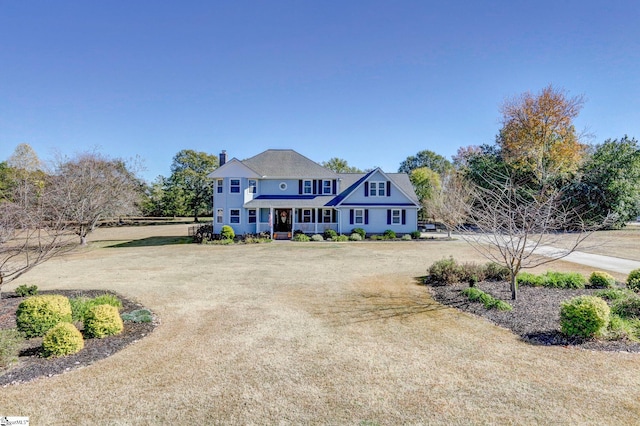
[{"x": 223, "y": 157}]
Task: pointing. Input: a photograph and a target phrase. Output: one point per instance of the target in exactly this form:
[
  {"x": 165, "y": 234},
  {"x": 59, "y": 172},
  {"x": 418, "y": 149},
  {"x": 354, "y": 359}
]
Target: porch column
[
  {"x": 271, "y": 221},
  {"x": 317, "y": 220}
]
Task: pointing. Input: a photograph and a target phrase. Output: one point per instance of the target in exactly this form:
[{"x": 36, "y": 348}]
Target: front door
[{"x": 283, "y": 220}]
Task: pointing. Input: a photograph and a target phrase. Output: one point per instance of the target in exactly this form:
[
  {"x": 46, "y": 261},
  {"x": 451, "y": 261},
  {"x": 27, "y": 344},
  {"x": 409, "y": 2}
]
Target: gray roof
[{"x": 286, "y": 163}]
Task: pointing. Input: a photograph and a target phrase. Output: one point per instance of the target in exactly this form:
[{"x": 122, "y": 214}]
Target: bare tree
[
  {"x": 522, "y": 227},
  {"x": 448, "y": 203},
  {"x": 32, "y": 231},
  {"x": 92, "y": 187}
]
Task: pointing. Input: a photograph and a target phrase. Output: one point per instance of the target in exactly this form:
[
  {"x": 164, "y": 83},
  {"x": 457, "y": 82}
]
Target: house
[{"x": 281, "y": 191}]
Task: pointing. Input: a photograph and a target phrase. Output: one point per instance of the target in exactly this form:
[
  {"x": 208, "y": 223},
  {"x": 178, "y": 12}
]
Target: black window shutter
[
  {"x": 366, "y": 189},
  {"x": 366, "y": 216},
  {"x": 300, "y": 186},
  {"x": 351, "y": 217},
  {"x": 404, "y": 217},
  {"x": 313, "y": 215},
  {"x": 388, "y": 189},
  {"x": 334, "y": 187},
  {"x": 334, "y": 216},
  {"x": 315, "y": 187},
  {"x": 388, "y": 217}
]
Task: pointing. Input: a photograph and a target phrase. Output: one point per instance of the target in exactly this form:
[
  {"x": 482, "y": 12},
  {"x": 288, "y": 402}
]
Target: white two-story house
[{"x": 281, "y": 191}]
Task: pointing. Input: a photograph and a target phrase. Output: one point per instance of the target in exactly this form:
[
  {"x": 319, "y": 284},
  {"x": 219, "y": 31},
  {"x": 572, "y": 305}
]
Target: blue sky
[{"x": 368, "y": 81}]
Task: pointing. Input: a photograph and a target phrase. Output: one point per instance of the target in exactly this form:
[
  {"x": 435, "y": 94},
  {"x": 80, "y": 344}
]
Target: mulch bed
[
  {"x": 535, "y": 316},
  {"x": 31, "y": 364}
]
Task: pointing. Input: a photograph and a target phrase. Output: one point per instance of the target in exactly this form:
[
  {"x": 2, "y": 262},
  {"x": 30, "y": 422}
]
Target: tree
[
  {"x": 339, "y": 165},
  {"x": 32, "y": 230},
  {"x": 609, "y": 181},
  {"x": 425, "y": 158},
  {"x": 448, "y": 203},
  {"x": 189, "y": 176},
  {"x": 425, "y": 182},
  {"x": 509, "y": 222},
  {"x": 538, "y": 135},
  {"x": 92, "y": 187}
]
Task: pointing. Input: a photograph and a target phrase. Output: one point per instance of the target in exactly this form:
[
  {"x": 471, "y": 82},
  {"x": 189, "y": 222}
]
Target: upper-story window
[
  {"x": 253, "y": 185},
  {"x": 307, "y": 187},
  {"x": 377, "y": 189},
  {"x": 220, "y": 185},
  {"x": 326, "y": 187},
  {"x": 234, "y": 186}
]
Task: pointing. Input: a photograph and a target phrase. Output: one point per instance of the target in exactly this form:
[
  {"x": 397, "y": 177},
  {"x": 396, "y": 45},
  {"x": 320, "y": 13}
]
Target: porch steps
[{"x": 282, "y": 235}]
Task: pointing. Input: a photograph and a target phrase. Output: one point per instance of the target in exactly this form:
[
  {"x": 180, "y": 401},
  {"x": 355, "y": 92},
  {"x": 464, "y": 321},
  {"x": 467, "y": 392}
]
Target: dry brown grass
[{"x": 311, "y": 333}]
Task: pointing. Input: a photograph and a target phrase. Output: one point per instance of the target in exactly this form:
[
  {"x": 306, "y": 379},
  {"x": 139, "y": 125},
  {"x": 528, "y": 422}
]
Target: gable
[
  {"x": 379, "y": 188},
  {"x": 233, "y": 168}
]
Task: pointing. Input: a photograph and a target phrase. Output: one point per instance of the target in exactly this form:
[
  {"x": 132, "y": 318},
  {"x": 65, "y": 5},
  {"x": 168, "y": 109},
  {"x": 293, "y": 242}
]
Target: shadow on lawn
[{"x": 153, "y": 242}]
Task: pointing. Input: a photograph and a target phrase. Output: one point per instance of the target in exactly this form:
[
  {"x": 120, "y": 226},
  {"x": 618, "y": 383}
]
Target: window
[
  {"x": 253, "y": 185},
  {"x": 358, "y": 216},
  {"x": 306, "y": 215},
  {"x": 252, "y": 216},
  {"x": 307, "y": 187},
  {"x": 219, "y": 216},
  {"x": 283, "y": 186},
  {"x": 326, "y": 216},
  {"x": 234, "y": 186},
  {"x": 220, "y": 185},
  {"x": 234, "y": 216},
  {"x": 377, "y": 189},
  {"x": 395, "y": 217},
  {"x": 326, "y": 187}
]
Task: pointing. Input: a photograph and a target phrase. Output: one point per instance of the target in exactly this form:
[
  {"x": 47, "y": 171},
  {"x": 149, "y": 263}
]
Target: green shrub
[
  {"x": 227, "y": 233},
  {"x": 139, "y": 315},
  {"x": 26, "y": 290},
  {"x": 317, "y": 237},
  {"x": 80, "y": 305},
  {"x": 614, "y": 293},
  {"x": 329, "y": 234},
  {"x": 10, "y": 344},
  {"x": 600, "y": 279},
  {"x": 633, "y": 280},
  {"x": 584, "y": 316},
  {"x": 101, "y": 321},
  {"x": 623, "y": 328},
  {"x": 489, "y": 302},
  {"x": 38, "y": 314},
  {"x": 355, "y": 237},
  {"x": 389, "y": 234},
  {"x": 416, "y": 235},
  {"x": 527, "y": 278},
  {"x": 301, "y": 238},
  {"x": 341, "y": 238},
  {"x": 628, "y": 307},
  {"x": 446, "y": 271},
  {"x": 360, "y": 231},
  {"x": 495, "y": 272},
  {"x": 63, "y": 339},
  {"x": 407, "y": 237},
  {"x": 552, "y": 279}
]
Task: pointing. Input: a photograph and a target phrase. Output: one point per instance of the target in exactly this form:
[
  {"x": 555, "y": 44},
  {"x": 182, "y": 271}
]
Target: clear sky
[{"x": 368, "y": 81}]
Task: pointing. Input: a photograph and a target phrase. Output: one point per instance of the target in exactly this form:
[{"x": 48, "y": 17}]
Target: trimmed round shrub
[
  {"x": 329, "y": 234},
  {"x": 584, "y": 316},
  {"x": 355, "y": 237},
  {"x": 389, "y": 234},
  {"x": 38, "y": 314},
  {"x": 360, "y": 231},
  {"x": 633, "y": 280},
  {"x": 317, "y": 237},
  {"x": 416, "y": 235},
  {"x": 101, "y": 321},
  {"x": 227, "y": 233},
  {"x": 599, "y": 279},
  {"x": 63, "y": 339},
  {"x": 341, "y": 238},
  {"x": 407, "y": 237},
  {"x": 26, "y": 290}
]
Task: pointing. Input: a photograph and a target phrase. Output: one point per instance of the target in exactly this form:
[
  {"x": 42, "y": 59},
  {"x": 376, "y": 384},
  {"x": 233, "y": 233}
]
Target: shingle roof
[{"x": 286, "y": 163}]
